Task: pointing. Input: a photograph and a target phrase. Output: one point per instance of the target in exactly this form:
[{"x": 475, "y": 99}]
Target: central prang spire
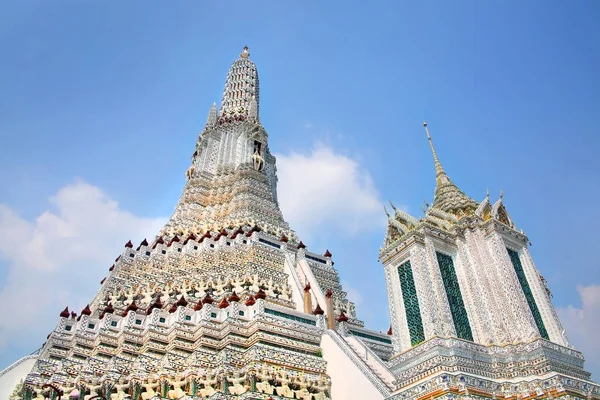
[
  {"x": 232, "y": 182},
  {"x": 240, "y": 95}
]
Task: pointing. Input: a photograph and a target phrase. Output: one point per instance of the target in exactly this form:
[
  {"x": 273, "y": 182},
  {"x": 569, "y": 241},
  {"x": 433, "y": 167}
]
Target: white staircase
[
  {"x": 367, "y": 361},
  {"x": 371, "y": 359}
]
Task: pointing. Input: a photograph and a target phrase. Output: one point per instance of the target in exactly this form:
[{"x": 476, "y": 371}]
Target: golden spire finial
[
  {"x": 440, "y": 174},
  {"x": 245, "y": 52}
]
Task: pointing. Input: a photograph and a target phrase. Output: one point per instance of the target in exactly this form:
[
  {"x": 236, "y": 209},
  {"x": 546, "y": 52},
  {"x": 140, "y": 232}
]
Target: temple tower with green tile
[{"x": 466, "y": 300}]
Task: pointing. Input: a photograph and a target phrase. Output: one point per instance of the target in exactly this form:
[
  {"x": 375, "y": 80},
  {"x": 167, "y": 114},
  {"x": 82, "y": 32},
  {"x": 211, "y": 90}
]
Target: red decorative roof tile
[
  {"x": 250, "y": 301},
  {"x": 318, "y": 310},
  {"x": 301, "y": 245},
  {"x": 261, "y": 294},
  {"x": 207, "y": 299},
  {"x": 342, "y": 317},
  {"x": 65, "y": 313},
  {"x": 144, "y": 243},
  {"x": 129, "y": 244},
  {"x": 205, "y": 236},
  {"x": 174, "y": 240},
  {"x": 158, "y": 241},
  {"x": 86, "y": 311},
  {"x": 234, "y": 297},
  {"x": 190, "y": 237},
  {"x": 327, "y": 254},
  {"x": 157, "y": 304},
  {"x": 131, "y": 307},
  {"x": 182, "y": 301},
  {"x": 223, "y": 303}
]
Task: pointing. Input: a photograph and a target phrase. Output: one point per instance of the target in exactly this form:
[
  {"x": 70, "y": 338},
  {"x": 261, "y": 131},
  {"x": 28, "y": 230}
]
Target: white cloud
[
  {"x": 59, "y": 258},
  {"x": 583, "y": 324},
  {"x": 324, "y": 189},
  {"x": 352, "y": 294}
]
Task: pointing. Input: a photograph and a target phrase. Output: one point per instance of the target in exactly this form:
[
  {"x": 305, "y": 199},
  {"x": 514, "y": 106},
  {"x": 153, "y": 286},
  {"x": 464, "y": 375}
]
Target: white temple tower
[
  {"x": 227, "y": 303},
  {"x": 470, "y": 313}
]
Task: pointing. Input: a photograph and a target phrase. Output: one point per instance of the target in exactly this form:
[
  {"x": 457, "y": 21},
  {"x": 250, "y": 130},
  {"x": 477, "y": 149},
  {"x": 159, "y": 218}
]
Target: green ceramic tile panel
[
  {"x": 457, "y": 306},
  {"x": 516, "y": 262},
  {"x": 411, "y": 304}
]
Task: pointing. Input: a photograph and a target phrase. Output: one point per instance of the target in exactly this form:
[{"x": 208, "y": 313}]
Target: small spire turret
[{"x": 212, "y": 116}]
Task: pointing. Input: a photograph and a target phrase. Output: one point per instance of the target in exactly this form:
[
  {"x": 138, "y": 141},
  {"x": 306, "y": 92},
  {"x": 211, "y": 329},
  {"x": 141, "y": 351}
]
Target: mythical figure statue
[
  {"x": 210, "y": 385},
  {"x": 237, "y": 383},
  {"x": 120, "y": 387},
  {"x": 176, "y": 392},
  {"x": 284, "y": 390},
  {"x": 149, "y": 389}
]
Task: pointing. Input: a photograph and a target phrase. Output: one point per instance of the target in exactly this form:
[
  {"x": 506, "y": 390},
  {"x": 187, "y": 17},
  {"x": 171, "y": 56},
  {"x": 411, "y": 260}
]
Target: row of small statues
[
  {"x": 239, "y": 284},
  {"x": 263, "y": 381}
]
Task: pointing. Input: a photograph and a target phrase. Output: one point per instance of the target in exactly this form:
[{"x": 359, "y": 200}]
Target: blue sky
[{"x": 113, "y": 94}]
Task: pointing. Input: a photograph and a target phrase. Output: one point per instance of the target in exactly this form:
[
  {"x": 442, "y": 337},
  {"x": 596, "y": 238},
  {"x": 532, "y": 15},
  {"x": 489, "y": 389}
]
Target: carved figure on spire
[{"x": 245, "y": 52}]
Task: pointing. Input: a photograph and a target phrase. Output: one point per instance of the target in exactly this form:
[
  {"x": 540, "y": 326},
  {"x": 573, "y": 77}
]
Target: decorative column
[
  {"x": 330, "y": 317},
  {"x": 307, "y": 299}
]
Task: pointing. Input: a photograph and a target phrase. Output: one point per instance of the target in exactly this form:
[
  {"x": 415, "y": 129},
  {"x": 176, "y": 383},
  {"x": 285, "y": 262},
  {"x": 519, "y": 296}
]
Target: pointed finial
[
  {"x": 392, "y": 204},
  {"x": 386, "y": 211},
  {"x": 440, "y": 174},
  {"x": 501, "y": 194},
  {"x": 245, "y": 52},
  {"x": 212, "y": 116},
  {"x": 487, "y": 194},
  {"x": 426, "y": 203}
]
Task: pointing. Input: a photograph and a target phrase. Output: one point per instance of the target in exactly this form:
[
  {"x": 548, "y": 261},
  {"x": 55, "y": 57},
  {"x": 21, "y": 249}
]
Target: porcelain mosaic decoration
[{"x": 227, "y": 303}]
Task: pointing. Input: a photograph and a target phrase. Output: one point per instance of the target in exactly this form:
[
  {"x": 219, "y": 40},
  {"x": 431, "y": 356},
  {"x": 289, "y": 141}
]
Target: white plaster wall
[
  {"x": 294, "y": 282},
  {"x": 347, "y": 381},
  {"x": 12, "y": 375}
]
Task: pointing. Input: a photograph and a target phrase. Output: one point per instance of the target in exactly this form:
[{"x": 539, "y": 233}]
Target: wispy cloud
[
  {"x": 324, "y": 189},
  {"x": 583, "y": 324},
  {"x": 352, "y": 293},
  {"x": 58, "y": 259}
]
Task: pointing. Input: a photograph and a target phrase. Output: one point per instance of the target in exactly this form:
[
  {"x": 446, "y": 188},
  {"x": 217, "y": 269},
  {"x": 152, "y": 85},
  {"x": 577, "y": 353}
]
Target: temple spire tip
[
  {"x": 440, "y": 174},
  {"x": 245, "y": 52}
]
